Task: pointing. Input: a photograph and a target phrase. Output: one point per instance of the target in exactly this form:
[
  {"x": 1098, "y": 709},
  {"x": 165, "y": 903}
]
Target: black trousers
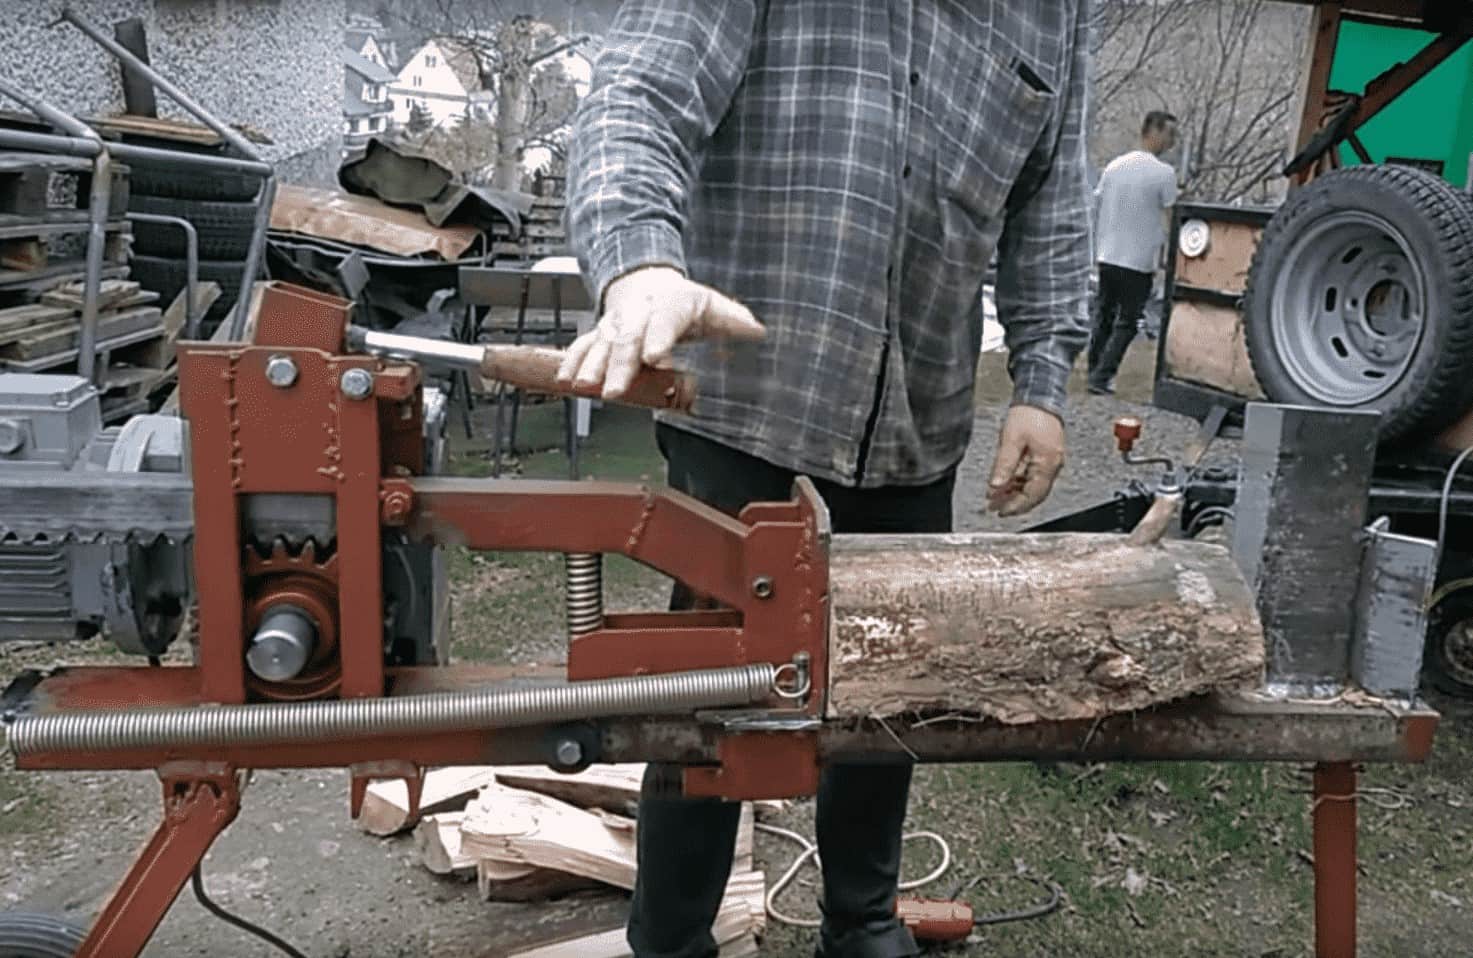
[
  {"x": 1122, "y": 302},
  {"x": 685, "y": 846}
]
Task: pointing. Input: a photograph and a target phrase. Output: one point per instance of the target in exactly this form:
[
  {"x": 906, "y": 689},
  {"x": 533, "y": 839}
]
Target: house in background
[
  {"x": 441, "y": 78},
  {"x": 367, "y": 110}
]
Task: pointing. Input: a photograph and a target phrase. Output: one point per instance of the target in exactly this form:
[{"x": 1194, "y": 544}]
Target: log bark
[{"x": 1029, "y": 628}]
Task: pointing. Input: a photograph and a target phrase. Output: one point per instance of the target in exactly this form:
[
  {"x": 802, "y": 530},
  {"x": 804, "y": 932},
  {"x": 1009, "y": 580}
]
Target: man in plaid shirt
[{"x": 808, "y": 194}]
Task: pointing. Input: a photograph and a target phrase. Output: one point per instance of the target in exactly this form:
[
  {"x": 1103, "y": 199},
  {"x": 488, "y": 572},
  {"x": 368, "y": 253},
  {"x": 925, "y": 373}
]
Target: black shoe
[{"x": 1095, "y": 390}]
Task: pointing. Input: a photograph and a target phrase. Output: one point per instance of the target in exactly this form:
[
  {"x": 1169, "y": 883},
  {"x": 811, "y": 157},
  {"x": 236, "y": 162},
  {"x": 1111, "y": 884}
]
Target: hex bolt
[
  {"x": 357, "y": 384},
  {"x": 569, "y": 752},
  {"x": 762, "y": 587},
  {"x": 281, "y": 372},
  {"x": 12, "y": 437}
]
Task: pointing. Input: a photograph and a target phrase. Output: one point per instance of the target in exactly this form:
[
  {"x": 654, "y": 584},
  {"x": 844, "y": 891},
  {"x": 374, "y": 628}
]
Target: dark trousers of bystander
[
  {"x": 685, "y": 846},
  {"x": 1120, "y": 305}
]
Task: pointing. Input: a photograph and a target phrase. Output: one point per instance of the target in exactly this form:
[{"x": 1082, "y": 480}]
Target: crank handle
[{"x": 533, "y": 368}]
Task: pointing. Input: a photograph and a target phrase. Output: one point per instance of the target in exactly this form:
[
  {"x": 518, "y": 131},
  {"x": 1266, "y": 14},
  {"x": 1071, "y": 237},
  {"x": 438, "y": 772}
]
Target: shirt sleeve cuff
[
  {"x": 1042, "y": 384},
  {"x": 629, "y": 248}
]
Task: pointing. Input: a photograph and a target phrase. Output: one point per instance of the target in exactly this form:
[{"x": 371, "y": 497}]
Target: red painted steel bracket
[{"x": 199, "y": 802}]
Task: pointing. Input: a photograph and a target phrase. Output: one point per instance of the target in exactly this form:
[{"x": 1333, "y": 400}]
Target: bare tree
[
  {"x": 518, "y": 61},
  {"x": 1228, "y": 69}
]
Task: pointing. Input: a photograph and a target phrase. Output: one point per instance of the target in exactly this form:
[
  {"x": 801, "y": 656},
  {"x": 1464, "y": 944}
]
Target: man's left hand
[{"x": 1030, "y": 453}]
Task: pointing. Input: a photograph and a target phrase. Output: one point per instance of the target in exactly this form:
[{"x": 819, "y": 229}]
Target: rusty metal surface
[
  {"x": 1335, "y": 867},
  {"x": 1240, "y": 728},
  {"x": 365, "y": 221}
]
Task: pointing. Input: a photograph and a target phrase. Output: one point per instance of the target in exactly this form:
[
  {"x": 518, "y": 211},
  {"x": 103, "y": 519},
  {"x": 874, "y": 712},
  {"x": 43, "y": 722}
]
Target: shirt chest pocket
[{"x": 988, "y": 128}]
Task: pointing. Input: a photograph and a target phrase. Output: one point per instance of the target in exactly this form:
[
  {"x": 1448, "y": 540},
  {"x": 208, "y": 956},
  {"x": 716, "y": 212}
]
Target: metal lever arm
[{"x": 533, "y": 368}]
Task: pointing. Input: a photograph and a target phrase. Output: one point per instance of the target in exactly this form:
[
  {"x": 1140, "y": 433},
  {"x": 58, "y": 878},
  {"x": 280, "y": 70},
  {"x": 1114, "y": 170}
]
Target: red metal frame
[
  {"x": 249, "y": 436},
  {"x": 199, "y": 803}
]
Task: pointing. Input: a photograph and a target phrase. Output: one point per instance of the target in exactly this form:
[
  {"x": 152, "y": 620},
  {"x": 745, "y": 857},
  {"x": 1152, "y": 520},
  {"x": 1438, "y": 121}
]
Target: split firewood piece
[
  {"x": 739, "y": 923},
  {"x": 501, "y": 881},
  {"x": 386, "y": 803},
  {"x": 437, "y": 838},
  {"x": 614, "y": 788},
  {"x": 518, "y": 827},
  {"x": 1034, "y": 628}
]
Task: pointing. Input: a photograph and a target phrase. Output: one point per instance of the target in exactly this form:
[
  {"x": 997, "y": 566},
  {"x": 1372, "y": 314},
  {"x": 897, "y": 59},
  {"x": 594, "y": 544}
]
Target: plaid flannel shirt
[{"x": 847, "y": 168}]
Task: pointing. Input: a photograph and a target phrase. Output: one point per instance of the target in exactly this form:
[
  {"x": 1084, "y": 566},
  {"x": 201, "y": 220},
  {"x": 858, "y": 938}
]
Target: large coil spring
[
  {"x": 585, "y": 592},
  {"x": 301, "y": 722}
]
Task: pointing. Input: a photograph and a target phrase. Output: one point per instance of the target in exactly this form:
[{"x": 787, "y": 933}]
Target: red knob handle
[{"x": 1127, "y": 431}]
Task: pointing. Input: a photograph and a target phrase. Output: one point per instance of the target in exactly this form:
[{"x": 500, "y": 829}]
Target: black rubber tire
[
  {"x": 223, "y": 228},
  {"x": 167, "y": 277},
  {"x": 146, "y": 180},
  {"x": 1437, "y": 224},
  {"x": 25, "y": 935},
  {"x": 1438, "y": 668}
]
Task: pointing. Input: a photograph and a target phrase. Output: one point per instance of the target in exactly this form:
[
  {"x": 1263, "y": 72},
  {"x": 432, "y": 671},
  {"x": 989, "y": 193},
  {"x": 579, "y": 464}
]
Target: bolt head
[
  {"x": 357, "y": 384},
  {"x": 762, "y": 587},
  {"x": 12, "y": 437},
  {"x": 281, "y": 372},
  {"x": 569, "y": 752}
]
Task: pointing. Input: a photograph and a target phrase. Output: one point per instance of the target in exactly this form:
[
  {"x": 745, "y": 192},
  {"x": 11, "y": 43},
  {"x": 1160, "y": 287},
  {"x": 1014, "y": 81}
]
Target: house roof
[
  {"x": 366, "y": 68},
  {"x": 461, "y": 58},
  {"x": 355, "y": 105}
]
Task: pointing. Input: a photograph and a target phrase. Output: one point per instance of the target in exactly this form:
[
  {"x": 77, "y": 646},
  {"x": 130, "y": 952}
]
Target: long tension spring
[{"x": 288, "y": 722}]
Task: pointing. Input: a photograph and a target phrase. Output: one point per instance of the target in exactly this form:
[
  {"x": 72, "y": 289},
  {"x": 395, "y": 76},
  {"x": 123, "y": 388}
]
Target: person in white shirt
[{"x": 1131, "y": 198}]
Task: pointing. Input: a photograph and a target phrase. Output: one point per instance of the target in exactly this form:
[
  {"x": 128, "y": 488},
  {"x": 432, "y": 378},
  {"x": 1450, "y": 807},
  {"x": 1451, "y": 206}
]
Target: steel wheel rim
[{"x": 1348, "y": 308}]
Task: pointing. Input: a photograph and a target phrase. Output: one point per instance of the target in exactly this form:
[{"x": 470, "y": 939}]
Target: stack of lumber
[{"x": 528, "y": 833}]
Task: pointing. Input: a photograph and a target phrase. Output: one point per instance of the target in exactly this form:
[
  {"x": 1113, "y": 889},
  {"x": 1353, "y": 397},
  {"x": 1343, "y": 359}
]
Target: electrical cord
[
  {"x": 1056, "y": 898},
  {"x": 810, "y": 851},
  {"x": 197, "y": 883}
]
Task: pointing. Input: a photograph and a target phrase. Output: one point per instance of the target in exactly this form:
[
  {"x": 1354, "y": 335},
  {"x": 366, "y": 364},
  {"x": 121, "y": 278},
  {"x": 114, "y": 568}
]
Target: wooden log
[
  {"x": 1206, "y": 344},
  {"x": 1029, "y": 628},
  {"x": 386, "y": 803}
]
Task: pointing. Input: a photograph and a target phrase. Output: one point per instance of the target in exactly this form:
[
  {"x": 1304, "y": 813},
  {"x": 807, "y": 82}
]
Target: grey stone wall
[{"x": 274, "y": 65}]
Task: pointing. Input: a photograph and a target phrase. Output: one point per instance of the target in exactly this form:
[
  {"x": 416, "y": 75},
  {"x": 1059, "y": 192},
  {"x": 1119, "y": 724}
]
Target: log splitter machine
[{"x": 292, "y": 666}]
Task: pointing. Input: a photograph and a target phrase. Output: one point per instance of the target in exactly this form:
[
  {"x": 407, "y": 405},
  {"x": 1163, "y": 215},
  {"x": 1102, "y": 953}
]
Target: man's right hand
[{"x": 646, "y": 313}]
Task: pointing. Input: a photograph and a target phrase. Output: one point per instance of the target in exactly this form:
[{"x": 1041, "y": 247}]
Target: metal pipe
[
  {"x": 191, "y": 264},
  {"x": 98, "y": 201},
  {"x": 239, "y": 143},
  {"x": 584, "y": 592},
  {"x": 306, "y": 722},
  {"x": 433, "y": 352},
  {"x": 264, "y": 199},
  {"x": 60, "y": 119},
  {"x": 172, "y": 159}
]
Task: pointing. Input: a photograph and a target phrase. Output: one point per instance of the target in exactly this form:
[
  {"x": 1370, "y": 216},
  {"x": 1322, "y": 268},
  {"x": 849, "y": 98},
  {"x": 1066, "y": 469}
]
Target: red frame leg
[
  {"x": 1334, "y": 860},
  {"x": 197, "y": 808}
]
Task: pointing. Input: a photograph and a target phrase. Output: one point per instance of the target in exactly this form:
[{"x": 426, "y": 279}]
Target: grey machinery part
[{"x": 96, "y": 527}]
